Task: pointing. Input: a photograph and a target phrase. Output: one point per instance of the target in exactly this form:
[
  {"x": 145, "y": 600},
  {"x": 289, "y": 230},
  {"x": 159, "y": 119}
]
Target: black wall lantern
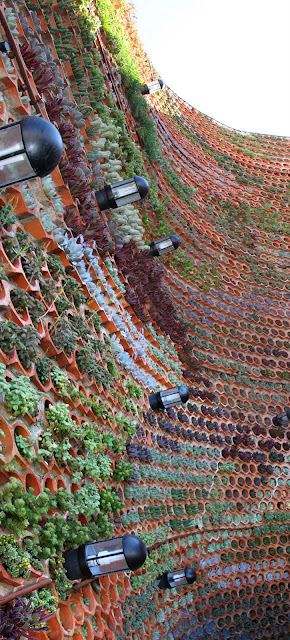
[
  {"x": 97, "y": 559},
  {"x": 282, "y": 419},
  {"x": 29, "y": 148},
  {"x": 152, "y": 87},
  {"x": 121, "y": 193},
  {"x": 178, "y": 578},
  {"x": 168, "y": 398},
  {"x": 164, "y": 245}
]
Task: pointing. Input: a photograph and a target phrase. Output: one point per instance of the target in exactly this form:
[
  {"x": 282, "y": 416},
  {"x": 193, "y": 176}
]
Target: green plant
[
  {"x": 61, "y": 582},
  {"x": 123, "y": 471},
  {"x": 125, "y": 424},
  {"x": 24, "y": 339},
  {"x": 63, "y": 336},
  {"x": 73, "y": 291},
  {"x": 43, "y": 598},
  {"x": 14, "y": 559},
  {"x": 7, "y": 216},
  {"x": 43, "y": 367},
  {"x": 109, "y": 501},
  {"x": 59, "y": 420},
  {"x": 63, "y": 384},
  {"x": 55, "y": 266},
  {"x": 24, "y": 447},
  {"x": 94, "y": 319},
  {"x": 20, "y": 396},
  {"x": 134, "y": 390},
  {"x": 86, "y": 361},
  {"x": 49, "y": 290},
  {"x": 22, "y": 300},
  {"x": 86, "y": 500},
  {"x": 22, "y": 509}
]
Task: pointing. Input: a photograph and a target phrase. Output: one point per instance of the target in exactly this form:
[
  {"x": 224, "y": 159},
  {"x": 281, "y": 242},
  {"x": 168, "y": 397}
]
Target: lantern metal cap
[
  {"x": 43, "y": 144},
  {"x": 134, "y": 550},
  {"x": 190, "y": 575},
  {"x": 184, "y": 394},
  {"x": 142, "y": 186},
  {"x": 72, "y": 566},
  {"x": 155, "y": 401},
  {"x": 175, "y": 240},
  {"x": 144, "y": 90}
]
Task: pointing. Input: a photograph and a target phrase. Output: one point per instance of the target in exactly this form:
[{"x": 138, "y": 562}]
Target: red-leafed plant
[{"x": 18, "y": 619}]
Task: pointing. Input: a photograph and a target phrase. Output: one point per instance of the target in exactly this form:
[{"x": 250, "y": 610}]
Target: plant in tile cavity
[
  {"x": 11, "y": 248},
  {"x": 123, "y": 471},
  {"x": 61, "y": 582},
  {"x": 7, "y": 216},
  {"x": 22, "y": 509},
  {"x": 86, "y": 361},
  {"x": 24, "y": 339},
  {"x": 19, "y": 618},
  {"x": 43, "y": 598},
  {"x": 14, "y": 559},
  {"x": 62, "y": 305},
  {"x": 22, "y": 300},
  {"x": 86, "y": 500},
  {"x": 24, "y": 447},
  {"x": 59, "y": 420},
  {"x": 134, "y": 390},
  {"x": 112, "y": 368},
  {"x": 43, "y": 367},
  {"x": 55, "y": 266},
  {"x": 48, "y": 289},
  {"x": 125, "y": 424},
  {"x": 63, "y": 384},
  {"x": 94, "y": 319},
  {"x": 73, "y": 291},
  {"x": 32, "y": 265},
  {"x": 97, "y": 345},
  {"x": 109, "y": 501},
  {"x": 20, "y": 397},
  {"x": 80, "y": 327},
  {"x": 63, "y": 336}
]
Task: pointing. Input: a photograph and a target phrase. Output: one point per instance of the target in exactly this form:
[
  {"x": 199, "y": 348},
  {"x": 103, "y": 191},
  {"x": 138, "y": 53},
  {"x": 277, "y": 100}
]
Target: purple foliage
[
  {"x": 265, "y": 469},
  {"x": 18, "y": 619}
]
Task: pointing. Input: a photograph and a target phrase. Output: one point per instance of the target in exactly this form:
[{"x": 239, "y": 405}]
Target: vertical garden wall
[{"x": 91, "y": 325}]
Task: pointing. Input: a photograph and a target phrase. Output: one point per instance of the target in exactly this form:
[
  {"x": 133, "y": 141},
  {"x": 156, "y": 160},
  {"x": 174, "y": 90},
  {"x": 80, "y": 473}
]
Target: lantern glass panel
[
  {"x": 125, "y": 192},
  {"x": 177, "y": 578},
  {"x": 11, "y": 140},
  {"x": 170, "y": 397},
  {"x": 15, "y": 169},
  {"x": 14, "y": 163},
  {"x": 164, "y": 245},
  {"x": 106, "y": 557},
  {"x": 153, "y": 86}
]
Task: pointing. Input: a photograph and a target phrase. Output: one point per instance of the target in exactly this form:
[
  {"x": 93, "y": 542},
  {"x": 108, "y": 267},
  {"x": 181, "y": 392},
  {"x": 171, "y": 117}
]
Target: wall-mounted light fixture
[
  {"x": 121, "y": 193},
  {"x": 168, "y": 398},
  {"x": 29, "y": 148},
  {"x": 96, "y": 559}
]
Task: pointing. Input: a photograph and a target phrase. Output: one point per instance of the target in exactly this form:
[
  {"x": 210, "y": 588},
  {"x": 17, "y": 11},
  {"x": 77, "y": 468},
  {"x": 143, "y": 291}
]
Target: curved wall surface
[
  {"x": 87, "y": 325},
  {"x": 234, "y": 298}
]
